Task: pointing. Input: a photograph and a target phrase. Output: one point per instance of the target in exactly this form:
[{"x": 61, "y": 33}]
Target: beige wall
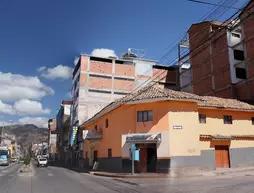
[
  {"x": 185, "y": 141},
  {"x": 178, "y": 123}
]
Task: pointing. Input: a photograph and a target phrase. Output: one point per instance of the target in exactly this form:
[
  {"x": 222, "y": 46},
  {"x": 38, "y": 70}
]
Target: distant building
[
  {"x": 221, "y": 60},
  {"x": 63, "y": 130},
  {"x": 52, "y": 136}
]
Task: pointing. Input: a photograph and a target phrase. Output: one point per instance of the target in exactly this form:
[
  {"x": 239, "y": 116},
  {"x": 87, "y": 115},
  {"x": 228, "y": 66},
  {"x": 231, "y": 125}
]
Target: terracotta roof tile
[{"x": 153, "y": 93}]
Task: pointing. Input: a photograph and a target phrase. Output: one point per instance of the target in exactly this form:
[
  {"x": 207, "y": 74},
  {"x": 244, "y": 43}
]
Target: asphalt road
[{"x": 60, "y": 180}]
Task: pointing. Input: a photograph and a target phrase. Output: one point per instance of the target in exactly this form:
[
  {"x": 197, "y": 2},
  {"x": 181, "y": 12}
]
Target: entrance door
[
  {"x": 147, "y": 158},
  {"x": 142, "y": 163},
  {"x": 151, "y": 158},
  {"x": 222, "y": 156}
]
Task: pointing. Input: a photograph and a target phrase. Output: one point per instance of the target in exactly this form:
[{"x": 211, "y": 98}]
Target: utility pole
[{"x": 133, "y": 148}]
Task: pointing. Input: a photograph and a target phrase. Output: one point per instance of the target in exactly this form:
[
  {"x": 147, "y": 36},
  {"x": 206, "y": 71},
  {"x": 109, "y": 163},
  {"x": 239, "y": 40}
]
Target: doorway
[
  {"x": 147, "y": 158},
  {"x": 222, "y": 158}
]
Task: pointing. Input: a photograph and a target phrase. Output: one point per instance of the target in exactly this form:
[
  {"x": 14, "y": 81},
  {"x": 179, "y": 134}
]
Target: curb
[{"x": 114, "y": 175}]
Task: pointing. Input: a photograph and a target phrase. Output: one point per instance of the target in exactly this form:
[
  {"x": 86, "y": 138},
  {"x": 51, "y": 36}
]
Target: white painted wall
[{"x": 234, "y": 43}]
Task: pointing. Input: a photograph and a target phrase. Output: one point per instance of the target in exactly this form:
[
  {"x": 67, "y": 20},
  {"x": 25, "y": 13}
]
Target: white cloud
[
  {"x": 6, "y": 109},
  {"x": 103, "y": 52},
  {"x": 23, "y": 107},
  {"x": 38, "y": 121},
  {"x": 58, "y": 72},
  {"x": 29, "y": 107},
  {"x": 41, "y": 68},
  {"x": 15, "y": 86}
]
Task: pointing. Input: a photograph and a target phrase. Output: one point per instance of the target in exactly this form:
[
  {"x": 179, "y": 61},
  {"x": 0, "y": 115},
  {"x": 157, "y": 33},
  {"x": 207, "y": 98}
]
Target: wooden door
[
  {"x": 222, "y": 156},
  {"x": 142, "y": 163}
]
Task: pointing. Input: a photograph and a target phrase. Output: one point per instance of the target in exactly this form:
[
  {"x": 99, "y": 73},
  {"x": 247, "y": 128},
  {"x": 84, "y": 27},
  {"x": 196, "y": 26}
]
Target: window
[
  {"x": 139, "y": 116},
  {"x": 227, "y": 119},
  {"x": 236, "y": 35},
  {"x": 238, "y": 55},
  {"x": 240, "y": 73},
  {"x": 86, "y": 155},
  {"x": 202, "y": 118},
  {"x": 252, "y": 120},
  {"x": 96, "y": 127},
  {"x": 110, "y": 153},
  {"x": 106, "y": 123},
  {"x": 150, "y": 115},
  {"x": 143, "y": 116}
]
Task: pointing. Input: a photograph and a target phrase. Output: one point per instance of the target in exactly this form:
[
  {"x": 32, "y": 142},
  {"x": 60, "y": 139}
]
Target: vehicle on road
[
  {"x": 42, "y": 162},
  {"x": 4, "y": 156}
]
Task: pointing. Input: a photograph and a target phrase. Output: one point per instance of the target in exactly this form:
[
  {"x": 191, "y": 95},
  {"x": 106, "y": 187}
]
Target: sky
[{"x": 39, "y": 40}]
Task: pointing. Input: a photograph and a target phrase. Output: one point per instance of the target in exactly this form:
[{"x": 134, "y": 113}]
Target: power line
[
  {"x": 212, "y": 15},
  {"x": 219, "y": 30},
  {"x": 214, "y": 4},
  {"x": 157, "y": 75},
  {"x": 224, "y": 26}
]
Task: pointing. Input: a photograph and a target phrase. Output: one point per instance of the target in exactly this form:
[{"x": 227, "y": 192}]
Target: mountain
[{"x": 27, "y": 134}]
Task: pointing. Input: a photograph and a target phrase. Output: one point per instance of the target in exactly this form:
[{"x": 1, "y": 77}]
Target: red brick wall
[
  {"x": 123, "y": 84},
  {"x": 210, "y": 61},
  {"x": 245, "y": 90},
  {"x": 100, "y": 67},
  {"x": 124, "y": 70},
  {"x": 83, "y": 80},
  {"x": 99, "y": 83},
  {"x": 248, "y": 29},
  {"x": 84, "y": 63}
]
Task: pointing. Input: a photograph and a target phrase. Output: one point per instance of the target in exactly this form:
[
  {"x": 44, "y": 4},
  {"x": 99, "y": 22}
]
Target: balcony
[{"x": 92, "y": 134}]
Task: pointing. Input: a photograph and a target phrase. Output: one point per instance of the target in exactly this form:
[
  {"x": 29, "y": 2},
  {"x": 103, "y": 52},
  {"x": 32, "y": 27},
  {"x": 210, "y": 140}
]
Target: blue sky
[{"x": 48, "y": 33}]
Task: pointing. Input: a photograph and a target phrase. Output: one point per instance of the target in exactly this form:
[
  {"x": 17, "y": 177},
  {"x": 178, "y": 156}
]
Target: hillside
[{"x": 27, "y": 134}]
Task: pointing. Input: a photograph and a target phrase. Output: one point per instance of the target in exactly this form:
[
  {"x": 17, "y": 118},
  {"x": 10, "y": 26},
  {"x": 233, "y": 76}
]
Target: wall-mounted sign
[{"x": 177, "y": 127}]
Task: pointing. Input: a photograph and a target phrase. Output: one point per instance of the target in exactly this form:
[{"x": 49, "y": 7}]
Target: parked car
[{"x": 42, "y": 162}]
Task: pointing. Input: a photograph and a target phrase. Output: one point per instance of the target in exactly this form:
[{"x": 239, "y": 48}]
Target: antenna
[{"x": 140, "y": 53}]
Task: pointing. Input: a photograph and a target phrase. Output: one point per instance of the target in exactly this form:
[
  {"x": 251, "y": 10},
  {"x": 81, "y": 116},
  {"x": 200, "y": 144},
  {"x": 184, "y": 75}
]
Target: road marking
[{"x": 50, "y": 174}]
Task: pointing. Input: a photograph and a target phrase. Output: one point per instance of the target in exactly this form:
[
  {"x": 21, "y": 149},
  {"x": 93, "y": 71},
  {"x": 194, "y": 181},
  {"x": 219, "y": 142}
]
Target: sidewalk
[
  {"x": 230, "y": 171},
  {"x": 129, "y": 175},
  {"x": 218, "y": 172}
]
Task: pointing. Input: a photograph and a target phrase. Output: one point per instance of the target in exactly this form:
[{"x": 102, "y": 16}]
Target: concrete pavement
[{"x": 61, "y": 180}]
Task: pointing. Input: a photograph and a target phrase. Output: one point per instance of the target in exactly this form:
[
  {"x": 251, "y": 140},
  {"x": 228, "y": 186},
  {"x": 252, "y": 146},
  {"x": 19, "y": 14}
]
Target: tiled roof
[
  {"x": 156, "y": 93},
  {"x": 224, "y": 137},
  {"x": 217, "y": 102}
]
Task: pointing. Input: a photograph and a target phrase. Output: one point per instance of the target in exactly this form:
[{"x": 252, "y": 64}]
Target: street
[{"x": 61, "y": 180}]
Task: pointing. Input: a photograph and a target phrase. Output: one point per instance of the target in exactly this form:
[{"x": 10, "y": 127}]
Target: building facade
[
  {"x": 172, "y": 131},
  {"x": 221, "y": 58},
  {"x": 52, "y": 137},
  {"x": 63, "y": 131},
  {"x": 99, "y": 81}
]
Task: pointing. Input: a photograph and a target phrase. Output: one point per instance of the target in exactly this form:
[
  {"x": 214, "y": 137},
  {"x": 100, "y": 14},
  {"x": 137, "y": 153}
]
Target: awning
[{"x": 143, "y": 138}]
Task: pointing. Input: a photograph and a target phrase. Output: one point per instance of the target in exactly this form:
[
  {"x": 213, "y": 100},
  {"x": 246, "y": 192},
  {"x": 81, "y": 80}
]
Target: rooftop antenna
[{"x": 140, "y": 53}]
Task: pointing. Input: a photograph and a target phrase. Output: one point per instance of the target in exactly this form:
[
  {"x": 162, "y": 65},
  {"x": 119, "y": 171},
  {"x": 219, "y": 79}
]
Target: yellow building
[{"x": 172, "y": 131}]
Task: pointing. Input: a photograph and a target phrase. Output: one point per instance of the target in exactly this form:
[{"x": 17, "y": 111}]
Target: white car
[{"x": 42, "y": 162}]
